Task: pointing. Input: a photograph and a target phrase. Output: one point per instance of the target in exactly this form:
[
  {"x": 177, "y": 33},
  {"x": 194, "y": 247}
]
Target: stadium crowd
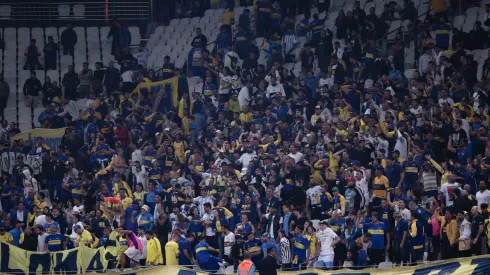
[{"x": 349, "y": 163}]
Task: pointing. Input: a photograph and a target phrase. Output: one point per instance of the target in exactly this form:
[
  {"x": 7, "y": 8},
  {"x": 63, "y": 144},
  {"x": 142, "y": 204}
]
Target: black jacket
[
  {"x": 274, "y": 222},
  {"x": 30, "y": 242},
  {"x": 69, "y": 37},
  {"x": 32, "y": 87},
  {"x": 112, "y": 77},
  {"x": 268, "y": 266},
  {"x": 70, "y": 80}
]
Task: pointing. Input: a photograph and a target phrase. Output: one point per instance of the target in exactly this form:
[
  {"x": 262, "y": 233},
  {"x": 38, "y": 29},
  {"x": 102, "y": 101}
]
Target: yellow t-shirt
[
  {"x": 227, "y": 18},
  {"x": 381, "y": 184},
  {"x": 171, "y": 253},
  {"x": 84, "y": 238},
  {"x": 154, "y": 250},
  {"x": 6, "y": 238}
]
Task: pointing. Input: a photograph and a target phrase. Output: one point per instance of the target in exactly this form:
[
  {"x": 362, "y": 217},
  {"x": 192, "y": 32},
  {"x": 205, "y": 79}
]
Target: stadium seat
[
  {"x": 63, "y": 11},
  {"x": 54, "y": 75},
  {"x": 79, "y": 11},
  {"x": 5, "y": 12}
]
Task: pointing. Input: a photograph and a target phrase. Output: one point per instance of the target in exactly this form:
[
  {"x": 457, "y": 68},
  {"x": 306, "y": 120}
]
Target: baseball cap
[
  {"x": 356, "y": 162},
  {"x": 145, "y": 207},
  {"x": 397, "y": 215},
  {"x": 77, "y": 227},
  {"x": 335, "y": 189},
  {"x": 266, "y": 234}
]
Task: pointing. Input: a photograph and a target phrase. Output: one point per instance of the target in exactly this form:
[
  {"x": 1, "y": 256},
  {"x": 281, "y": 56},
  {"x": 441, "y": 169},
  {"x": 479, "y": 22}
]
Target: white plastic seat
[
  {"x": 93, "y": 34},
  {"x": 23, "y": 34},
  {"x": 174, "y": 22},
  {"x": 104, "y": 31},
  {"x": 184, "y": 21},
  {"x": 79, "y": 11},
  {"x": 63, "y": 11},
  {"x": 80, "y": 33},
  {"x": 194, "y": 21},
  {"x": 5, "y": 11},
  {"x": 54, "y": 75}
]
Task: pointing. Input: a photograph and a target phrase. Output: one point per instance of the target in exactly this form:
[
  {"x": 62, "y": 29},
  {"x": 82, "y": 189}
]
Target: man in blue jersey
[
  {"x": 300, "y": 249},
  {"x": 185, "y": 248},
  {"x": 206, "y": 261},
  {"x": 379, "y": 238},
  {"x": 54, "y": 241},
  {"x": 400, "y": 245}
]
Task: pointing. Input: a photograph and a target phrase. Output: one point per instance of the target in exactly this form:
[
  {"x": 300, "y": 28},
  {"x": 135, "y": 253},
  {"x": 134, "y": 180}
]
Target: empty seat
[
  {"x": 63, "y": 11},
  {"x": 5, "y": 11},
  {"x": 93, "y": 34},
  {"x": 79, "y": 11}
]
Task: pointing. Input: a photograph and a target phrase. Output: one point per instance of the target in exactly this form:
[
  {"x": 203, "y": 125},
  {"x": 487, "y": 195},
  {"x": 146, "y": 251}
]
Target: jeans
[{"x": 54, "y": 185}]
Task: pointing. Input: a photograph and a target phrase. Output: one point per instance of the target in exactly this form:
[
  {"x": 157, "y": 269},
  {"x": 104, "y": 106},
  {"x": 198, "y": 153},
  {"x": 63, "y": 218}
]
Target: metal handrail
[{"x": 138, "y": 10}]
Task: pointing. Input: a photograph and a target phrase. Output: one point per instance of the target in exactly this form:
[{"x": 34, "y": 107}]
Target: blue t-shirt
[
  {"x": 400, "y": 228},
  {"x": 301, "y": 244},
  {"x": 377, "y": 234},
  {"x": 54, "y": 242},
  {"x": 393, "y": 174},
  {"x": 202, "y": 252},
  {"x": 184, "y": 244}
]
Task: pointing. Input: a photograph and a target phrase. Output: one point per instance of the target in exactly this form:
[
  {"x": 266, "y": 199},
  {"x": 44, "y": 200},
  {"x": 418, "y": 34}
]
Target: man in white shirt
[
  {"x": 142, "y": 56},
  {"x": 448, "y": 188},
  {"x": 244, "y": 95},
  {"x": 483, "y": 196},
  {"x": 41, "y": 237},
  {"x": 327, "y": 239},
  {"x": 297, "y": 156},
  {"x": 424, "y": 61},
  {"x": 445, "y": 99},
  {"x": 202, "y": 200},
  {"x": 207, "y": 220},
  {"x": 144, "y": 242},
  {"x": 228, "y": 241},
  {"x": 140, "y": 172},
  {"x": 275, "y": 88}
]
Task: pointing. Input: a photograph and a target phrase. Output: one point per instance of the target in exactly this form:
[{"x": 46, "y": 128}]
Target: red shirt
[{"x": 122, "y": 135}]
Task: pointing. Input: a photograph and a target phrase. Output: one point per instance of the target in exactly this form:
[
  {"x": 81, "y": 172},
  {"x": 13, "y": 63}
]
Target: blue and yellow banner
[
  {"x": 14, "y": 260},
  {"x": 51, "y": 137},
  {"x": 165, "y": 93}
]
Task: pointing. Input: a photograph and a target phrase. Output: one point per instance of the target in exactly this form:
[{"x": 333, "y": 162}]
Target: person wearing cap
[
  {"x": 237, "y": 251},
  {"x": 400, "y": 239},
  {"x": 380, "y": 241},
  {"x": 144, "y": 219},
  {"x": 55, "y": 241},
  {"x": 267, "y": 243}
]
